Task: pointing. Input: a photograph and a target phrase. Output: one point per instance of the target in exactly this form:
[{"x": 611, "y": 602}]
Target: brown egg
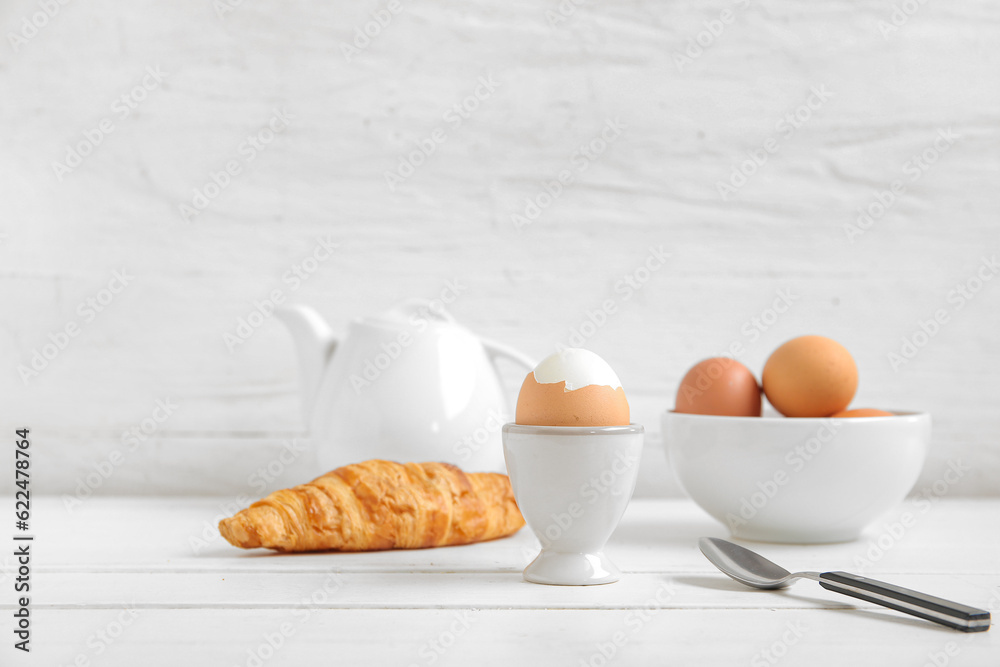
[
  {"x": 861, "y": 412},
  {"x": 549, "y": 404},
  {"x": 719, "y": 386},
  {"x": 810, "y": 376}
]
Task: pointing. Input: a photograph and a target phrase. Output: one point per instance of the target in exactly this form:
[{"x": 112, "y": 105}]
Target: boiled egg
[
  {"x": 573, "y": 387},
  {"x": 810, "y": 376},
  {"x": 861, "y": 412},
  {"x": 719, "y": 386}
]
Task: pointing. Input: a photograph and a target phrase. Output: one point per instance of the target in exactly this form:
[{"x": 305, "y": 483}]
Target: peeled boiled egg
[
  {"x": 861, "y": 412},
  {"x": 810, "y": 376},
  {"x": 719, "y": 386},
  {"x": 573, "y": 387}
]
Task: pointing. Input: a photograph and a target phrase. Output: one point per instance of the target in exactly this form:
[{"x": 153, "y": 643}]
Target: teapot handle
[{"x": 497, "y": 350}]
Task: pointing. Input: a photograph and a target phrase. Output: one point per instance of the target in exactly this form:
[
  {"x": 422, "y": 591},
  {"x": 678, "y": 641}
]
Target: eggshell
[
  {"x": 719, "y": 386},
  {"x": 550, "y": 404},
  {"x": 861, "y": 412},
  {"x": 810, "y": 376},
  {"x": 573, "y": 387},
  {"x": 576, "y": 367}
]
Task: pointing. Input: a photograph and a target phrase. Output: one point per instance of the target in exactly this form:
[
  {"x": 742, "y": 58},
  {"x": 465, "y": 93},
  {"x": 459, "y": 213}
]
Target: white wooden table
[{"x": 148, "y": 581}]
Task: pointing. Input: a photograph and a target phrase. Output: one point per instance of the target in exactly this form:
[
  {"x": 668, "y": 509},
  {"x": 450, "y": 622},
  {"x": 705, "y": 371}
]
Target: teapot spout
[{"x": 314, "y": 344}]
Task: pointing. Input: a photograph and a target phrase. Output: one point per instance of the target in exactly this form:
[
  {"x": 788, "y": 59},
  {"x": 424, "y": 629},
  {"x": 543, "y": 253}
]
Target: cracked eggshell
[{"x": 573, "y": 387}]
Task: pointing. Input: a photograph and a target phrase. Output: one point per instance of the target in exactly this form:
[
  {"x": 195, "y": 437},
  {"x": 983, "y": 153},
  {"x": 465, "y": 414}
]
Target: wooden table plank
[
  {"x": 179, "y": 534},
  {"x": 458, "y": 590},
  {"x": 246, "y": 637},
  {"x": 126, "y": 567}
]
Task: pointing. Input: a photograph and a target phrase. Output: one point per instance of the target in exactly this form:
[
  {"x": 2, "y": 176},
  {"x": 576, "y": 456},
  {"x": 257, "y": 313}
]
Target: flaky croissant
[{"x": 380, "y": 505}]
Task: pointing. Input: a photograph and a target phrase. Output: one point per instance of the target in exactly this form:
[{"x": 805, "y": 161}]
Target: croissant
[{"x": 378, "y": 505}]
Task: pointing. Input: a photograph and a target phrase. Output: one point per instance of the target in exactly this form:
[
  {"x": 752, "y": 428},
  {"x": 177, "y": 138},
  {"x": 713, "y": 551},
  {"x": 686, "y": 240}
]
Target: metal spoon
[{"x": 752, "y": 569}]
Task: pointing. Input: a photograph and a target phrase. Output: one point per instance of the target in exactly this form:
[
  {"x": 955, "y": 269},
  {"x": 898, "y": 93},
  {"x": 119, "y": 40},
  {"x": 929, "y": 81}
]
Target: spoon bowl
[{"x": 748, "y": 567}]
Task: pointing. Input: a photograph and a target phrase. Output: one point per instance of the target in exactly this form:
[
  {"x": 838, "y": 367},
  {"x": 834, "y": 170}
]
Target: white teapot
[{"x": 406, "y": 385}]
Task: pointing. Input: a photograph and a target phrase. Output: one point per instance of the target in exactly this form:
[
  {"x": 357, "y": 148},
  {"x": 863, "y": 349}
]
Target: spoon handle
[{"x": 954, "y": 615}]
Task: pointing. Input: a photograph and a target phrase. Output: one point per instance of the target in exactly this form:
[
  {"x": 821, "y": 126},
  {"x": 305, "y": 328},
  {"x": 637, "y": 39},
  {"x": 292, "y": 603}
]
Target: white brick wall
[{"x": 687, "y": 126}]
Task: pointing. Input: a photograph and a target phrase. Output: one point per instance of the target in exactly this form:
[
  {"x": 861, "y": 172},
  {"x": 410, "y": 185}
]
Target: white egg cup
[{"x": 572, "y": 485}]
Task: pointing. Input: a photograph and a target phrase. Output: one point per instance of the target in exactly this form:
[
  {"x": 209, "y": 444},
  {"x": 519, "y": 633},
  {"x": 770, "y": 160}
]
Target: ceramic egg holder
[{"x": 572, "y": 485}]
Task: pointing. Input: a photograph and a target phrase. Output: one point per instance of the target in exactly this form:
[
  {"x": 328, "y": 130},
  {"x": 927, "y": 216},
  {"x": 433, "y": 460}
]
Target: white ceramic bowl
[
  {"x": 572, "y": 485},
  {"x": 778, "y": 479}
]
